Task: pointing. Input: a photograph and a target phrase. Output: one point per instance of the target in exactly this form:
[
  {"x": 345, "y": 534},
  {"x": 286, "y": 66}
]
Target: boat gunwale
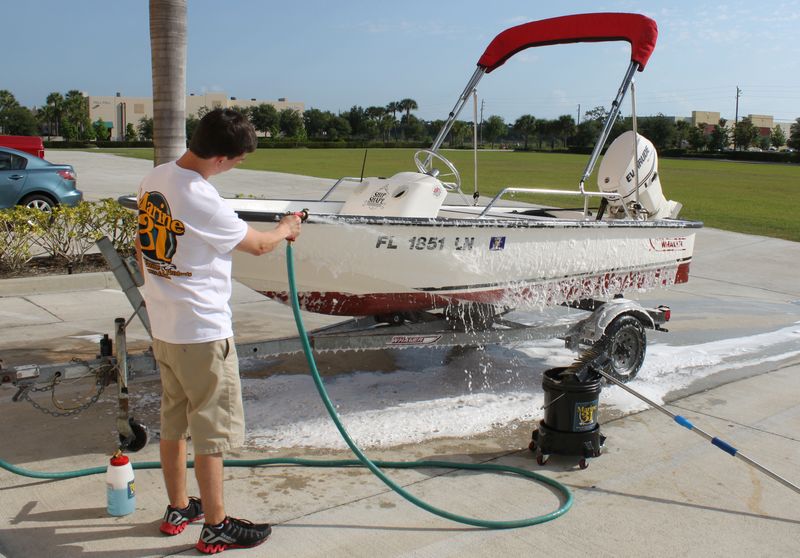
[{"x": 505, "y": 222}]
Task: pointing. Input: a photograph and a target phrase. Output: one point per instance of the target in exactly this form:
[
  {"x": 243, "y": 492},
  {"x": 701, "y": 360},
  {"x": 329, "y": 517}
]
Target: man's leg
[
  {"x": 208, "y": 470},
  {"x": 173, "y": 466}
]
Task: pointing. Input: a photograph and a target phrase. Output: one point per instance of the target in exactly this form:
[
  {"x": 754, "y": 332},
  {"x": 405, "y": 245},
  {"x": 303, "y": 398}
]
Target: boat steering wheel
[{"x": 425, "y": 166}]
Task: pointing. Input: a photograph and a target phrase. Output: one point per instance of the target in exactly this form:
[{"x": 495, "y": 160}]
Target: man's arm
[{"x": 260, "y": 242}]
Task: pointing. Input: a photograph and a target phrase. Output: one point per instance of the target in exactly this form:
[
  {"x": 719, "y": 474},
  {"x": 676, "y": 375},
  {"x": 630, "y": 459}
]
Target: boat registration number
[{"x": 388, "y": 242}]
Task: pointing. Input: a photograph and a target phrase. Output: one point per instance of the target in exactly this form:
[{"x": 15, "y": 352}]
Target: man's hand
[
  {"x": 261, "y": 242},
  {"x": 292, "y": 223}
]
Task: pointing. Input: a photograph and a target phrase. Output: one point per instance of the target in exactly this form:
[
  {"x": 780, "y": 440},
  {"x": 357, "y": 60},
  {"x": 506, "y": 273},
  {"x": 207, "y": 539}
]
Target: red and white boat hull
[{"x": 355, "y": 266}]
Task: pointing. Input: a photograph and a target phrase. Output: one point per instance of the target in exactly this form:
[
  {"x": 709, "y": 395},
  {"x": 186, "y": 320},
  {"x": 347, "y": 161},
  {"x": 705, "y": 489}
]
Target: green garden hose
[{"x": 362, "y": 460}]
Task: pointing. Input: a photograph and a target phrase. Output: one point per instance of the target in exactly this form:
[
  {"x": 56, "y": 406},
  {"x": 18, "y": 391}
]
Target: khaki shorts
[{"x": 201, "y": 394}]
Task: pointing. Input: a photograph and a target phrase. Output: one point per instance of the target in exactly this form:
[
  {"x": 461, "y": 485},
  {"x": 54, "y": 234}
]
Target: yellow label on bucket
[{"x": 586, "y": 414}]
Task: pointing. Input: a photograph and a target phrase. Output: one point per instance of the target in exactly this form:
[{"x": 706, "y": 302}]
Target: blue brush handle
[
  {"x": 724, "y": 446},
  {"x": 721, "y": 444}
]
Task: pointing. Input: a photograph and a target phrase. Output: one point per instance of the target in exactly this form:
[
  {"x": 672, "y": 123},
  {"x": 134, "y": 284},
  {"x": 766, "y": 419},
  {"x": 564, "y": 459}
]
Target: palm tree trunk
[{"x": 168, "y": 47}]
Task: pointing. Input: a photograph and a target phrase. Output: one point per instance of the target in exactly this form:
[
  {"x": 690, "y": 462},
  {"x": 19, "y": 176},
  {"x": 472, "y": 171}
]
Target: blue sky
[{"x": 332, "y": 55}]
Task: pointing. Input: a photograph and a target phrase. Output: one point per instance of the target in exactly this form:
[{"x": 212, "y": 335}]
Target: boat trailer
[{"x": 616, "y": 325}]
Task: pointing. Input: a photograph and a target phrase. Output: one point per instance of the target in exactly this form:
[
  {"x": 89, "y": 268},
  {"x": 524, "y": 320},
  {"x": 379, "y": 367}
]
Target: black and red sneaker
[
  {"x": 176, "y": 519},
  {"x": 232, "y": 533}
]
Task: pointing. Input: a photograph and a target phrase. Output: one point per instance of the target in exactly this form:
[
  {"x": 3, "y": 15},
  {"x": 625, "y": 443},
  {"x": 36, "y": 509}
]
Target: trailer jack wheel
[
  {"x": 139, "y": 438},
  {"x": 624, "y": 343}
]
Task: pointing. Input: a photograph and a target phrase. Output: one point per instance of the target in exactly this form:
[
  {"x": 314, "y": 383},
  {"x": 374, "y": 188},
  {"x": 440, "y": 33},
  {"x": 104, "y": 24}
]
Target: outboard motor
[{"x": 617, "y": 175}]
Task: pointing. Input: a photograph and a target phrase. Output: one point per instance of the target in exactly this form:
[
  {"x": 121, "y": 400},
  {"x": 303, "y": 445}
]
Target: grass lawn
[{"x": 754, "y": 198}]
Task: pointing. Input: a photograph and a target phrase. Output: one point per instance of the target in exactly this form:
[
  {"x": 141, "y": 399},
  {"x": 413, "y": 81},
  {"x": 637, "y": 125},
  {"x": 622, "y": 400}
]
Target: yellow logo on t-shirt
[{"x": 158, "y": 234}]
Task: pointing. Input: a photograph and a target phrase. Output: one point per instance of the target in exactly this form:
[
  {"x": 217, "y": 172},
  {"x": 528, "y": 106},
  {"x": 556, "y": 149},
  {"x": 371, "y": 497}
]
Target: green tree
[
  {"x": 51, "y": 113},
  {"x": 339, "y": 128},
  {"x": 599, "y": 113},
  {"x": 130, "y": 132},
  {"x": 385, "y": 125},
  {"x": 745, "y": 133},
  {"x": 413, "y": 128},
  {"x": 777, "y": 137},
  {"x": 374, "y": 116},
  {"x": 291, "y": 123},
  {"x": 547, "y": 130},
  {"x": 586, "y": 133},
  {"x": 494, "y": 128},
  {"x": 696, "y": 137},
  {"x": 7, "y": 100},
  {"x": 720, "y": 136},
  {"x": 357, "y": 118},
  {"x": 394, "y": 108},
  {"x": 101, "y": 131},
  {"x": 460, "y": 133},
  {"x": 794, "y": 135},
  {"x": 18, "y": 121},
  {"x": 264, "y": 118},
  {"x": 681, "y": 136},
  {"x": 145, "y": 128},
  {"x": 565, "y": 128},
  {"x": 659, "y": 129},
  {"x": 191, "y": 125},
  {"x": 525, "y": 126},
  {"x": 76, "y": 116},
  {"x": 168, "y": 61},
  {"x": 316, "y": 122},
  {"x": 408, "y": 105},
  {"x": 15, "y": 120}
]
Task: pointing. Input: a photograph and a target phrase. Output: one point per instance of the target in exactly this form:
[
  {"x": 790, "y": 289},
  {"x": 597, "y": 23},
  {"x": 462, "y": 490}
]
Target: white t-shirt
[{"x": 187, "y": 233}]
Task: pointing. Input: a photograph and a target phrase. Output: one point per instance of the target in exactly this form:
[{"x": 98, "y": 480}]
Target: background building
[{"x": 119, "y": 111}]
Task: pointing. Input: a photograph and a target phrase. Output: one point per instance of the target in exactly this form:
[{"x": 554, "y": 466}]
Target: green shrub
[
  {"x": 67, "y": 233},
  {"x": 18, "y": 232},
  {"x": 117, "y": 223}
]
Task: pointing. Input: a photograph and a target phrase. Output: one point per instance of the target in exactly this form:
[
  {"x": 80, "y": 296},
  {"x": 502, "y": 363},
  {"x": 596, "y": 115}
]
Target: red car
[{"x": 28, "y": 144}]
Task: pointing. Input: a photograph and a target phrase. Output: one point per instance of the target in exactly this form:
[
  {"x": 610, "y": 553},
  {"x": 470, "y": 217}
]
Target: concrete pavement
[{"x": 657, "y": 490}]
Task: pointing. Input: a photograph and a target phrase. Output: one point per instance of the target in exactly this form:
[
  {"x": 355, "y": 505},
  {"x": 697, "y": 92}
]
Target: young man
[{"x": 186, "y": 236}]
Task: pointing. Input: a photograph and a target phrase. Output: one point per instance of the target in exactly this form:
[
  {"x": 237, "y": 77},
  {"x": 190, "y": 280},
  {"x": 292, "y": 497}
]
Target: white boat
[{"x": 413, "y": 242}]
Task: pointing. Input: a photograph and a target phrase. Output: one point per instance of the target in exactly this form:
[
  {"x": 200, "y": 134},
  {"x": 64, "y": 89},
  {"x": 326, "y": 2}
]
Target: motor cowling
[{"x": 617, "y": 175}]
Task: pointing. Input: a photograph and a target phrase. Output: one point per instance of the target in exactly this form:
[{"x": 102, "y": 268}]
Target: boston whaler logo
[
  {"x": 158, "y": 235},
  {"x": 668, "y": 244},
  {"x": 413, "y": 339}
]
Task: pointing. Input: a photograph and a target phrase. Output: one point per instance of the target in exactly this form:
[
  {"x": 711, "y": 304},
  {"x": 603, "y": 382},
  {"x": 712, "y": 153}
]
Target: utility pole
[
  {"x": 579, "y": 113},
  {"x": 736, "y": 119}
]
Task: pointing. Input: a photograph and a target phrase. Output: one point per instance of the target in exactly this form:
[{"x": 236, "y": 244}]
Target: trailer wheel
[
  {"x": 140, "y": 436},
  {"x": 624, "y": 344}
]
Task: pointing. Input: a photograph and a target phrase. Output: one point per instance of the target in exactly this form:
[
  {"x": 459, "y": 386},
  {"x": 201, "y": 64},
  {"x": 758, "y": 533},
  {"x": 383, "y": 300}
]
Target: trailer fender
[{"x": 594, "y": 326}]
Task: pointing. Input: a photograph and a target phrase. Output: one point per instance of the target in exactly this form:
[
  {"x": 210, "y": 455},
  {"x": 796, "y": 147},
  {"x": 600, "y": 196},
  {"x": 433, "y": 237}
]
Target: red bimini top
[{"x": 640, "y": 31}]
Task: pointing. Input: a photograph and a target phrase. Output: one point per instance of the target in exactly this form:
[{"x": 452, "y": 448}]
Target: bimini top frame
[{"x": 640, "y": 31}]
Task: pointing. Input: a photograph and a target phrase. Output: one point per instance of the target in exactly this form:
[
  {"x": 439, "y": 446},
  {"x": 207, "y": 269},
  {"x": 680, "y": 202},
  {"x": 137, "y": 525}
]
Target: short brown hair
[{"x": 223, "y": 132}]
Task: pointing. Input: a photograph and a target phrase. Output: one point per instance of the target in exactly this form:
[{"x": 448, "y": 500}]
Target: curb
[{"x": 24, "y": 286}]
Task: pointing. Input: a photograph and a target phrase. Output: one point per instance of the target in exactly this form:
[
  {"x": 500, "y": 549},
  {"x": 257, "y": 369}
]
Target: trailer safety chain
[{"x": 100, "y": 381}]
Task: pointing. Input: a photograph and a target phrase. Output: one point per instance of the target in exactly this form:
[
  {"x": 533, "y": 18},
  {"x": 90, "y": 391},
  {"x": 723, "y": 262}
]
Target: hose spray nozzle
[{"x": 303, "y": 214}]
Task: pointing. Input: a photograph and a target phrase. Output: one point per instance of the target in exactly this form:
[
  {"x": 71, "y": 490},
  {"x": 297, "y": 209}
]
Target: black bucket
[
  {"x": 569, "y": 404},
  {"x": 570, "y": 424}
]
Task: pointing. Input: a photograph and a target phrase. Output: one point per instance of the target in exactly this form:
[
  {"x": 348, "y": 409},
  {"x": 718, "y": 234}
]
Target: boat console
[{"x": 406, "y": 194}]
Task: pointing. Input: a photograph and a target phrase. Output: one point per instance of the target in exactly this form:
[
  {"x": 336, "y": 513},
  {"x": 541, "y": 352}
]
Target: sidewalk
[{"x": 658, "y": 490}]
